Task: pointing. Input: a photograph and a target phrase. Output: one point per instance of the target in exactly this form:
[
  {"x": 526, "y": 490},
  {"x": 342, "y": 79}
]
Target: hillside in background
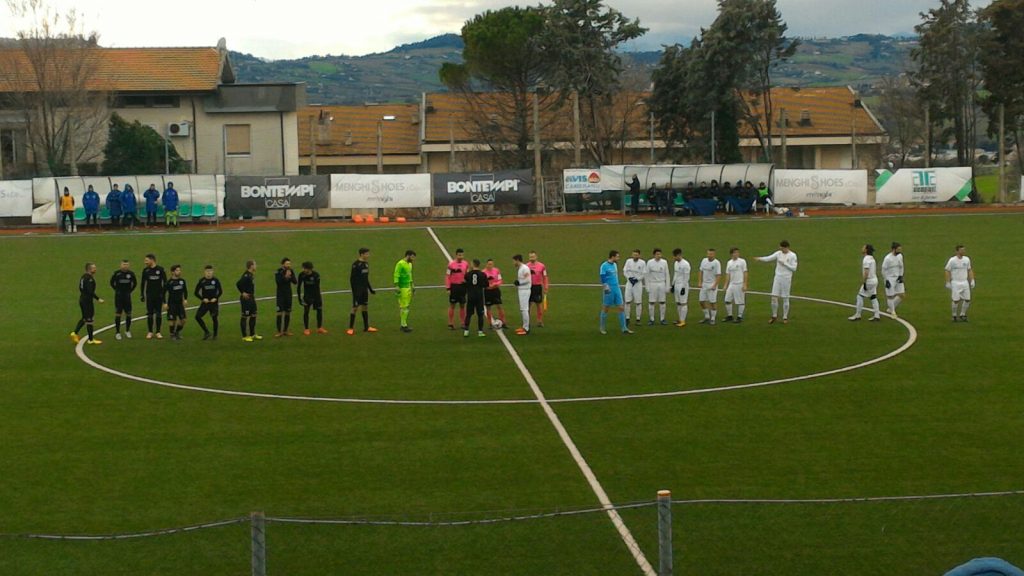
[{"x": 402, "y": 74}]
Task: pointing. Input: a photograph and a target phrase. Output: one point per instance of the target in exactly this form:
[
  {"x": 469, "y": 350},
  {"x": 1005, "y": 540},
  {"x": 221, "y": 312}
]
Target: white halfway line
[{"x": 588, "y": 473}]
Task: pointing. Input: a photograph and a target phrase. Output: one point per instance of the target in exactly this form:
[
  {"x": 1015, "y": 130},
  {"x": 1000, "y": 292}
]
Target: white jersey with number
[
  {"x": 634, "y": 270},
  {"x": 710, "y": 270},
  {"x": 736, "y": 270},
  {"x": 892, "y": 266},
  {"x": 681, "y": 277},
  {"x": 657, "y": 274},
  {"x": 871, "y": 267},
  {"x": 959, "y": 268},
  {"x": 785, "y": 263}
]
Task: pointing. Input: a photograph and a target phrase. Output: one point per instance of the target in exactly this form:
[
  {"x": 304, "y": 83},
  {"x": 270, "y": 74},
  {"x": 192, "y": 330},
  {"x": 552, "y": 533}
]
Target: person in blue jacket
[
  {"x": 129, "y": 207},
  {"x": 91, "y": 203},
  {"x": 151, "y": 196},
  {"x": 171, "y": 205},
  {"x": 114, "y": 206}
]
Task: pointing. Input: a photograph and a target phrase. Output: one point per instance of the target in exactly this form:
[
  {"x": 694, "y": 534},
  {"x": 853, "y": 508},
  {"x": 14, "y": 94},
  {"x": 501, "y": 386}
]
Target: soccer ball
[{"x": 496, "y": 323}]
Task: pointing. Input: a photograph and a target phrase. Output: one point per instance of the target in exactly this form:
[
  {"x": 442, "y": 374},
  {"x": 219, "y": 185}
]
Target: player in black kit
[
  {"x": 247, "y": 298},
  {"x": 476, "y": 283},
  {"x": 124, "y": 283},
  {"x": 86, "y": 302},
  {"x": 285, "y": 279},
  {"x": 310, "y": 297},
  {"x": 177, "y": 301},
  {"x": 153, "y": 279},
  {"x": 209, "y": 290},
  {"x": 359, "y": 280}
]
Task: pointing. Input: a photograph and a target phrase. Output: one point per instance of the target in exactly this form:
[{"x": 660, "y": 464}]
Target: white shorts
[
  {"x": 524, "y": 298},
  {"x": 656, "y": 294},
  {"x": 960, "y": 291},
  {"x": 892, "y": 287},
  {"x": 634, "y": 292},
  {"x": 708, "y": 295},
  {"x": 781, "y": 286},
  {"x": 735, "y": 293},
  {"x": 872, "y": 288},
  {"x": 681, "y": 294}
]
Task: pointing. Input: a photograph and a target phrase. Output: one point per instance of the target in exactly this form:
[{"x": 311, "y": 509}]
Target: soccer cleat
[
  {"x": 257, "y": 337},
  {"x": 956, "y": 319},
  {"x": 711, "y": 323},
  {"x": 207, "y": 336},
  {"x": 465, "y": 333},
  {"x": 306, "y": 332},
  {"x": 854, "y": 318},
  {"x": 247, "y": 339},
  {"x": 371, "y": 330},
  {"x": 214, "y": 337},
  {"x": 963, "y": 318},
  {"x": 149, "y": 335},
  {"x": 451, "y": 327},
  {"x": 604, "y": 332},
  {"x": 278, "y": 334},
  {"x": 785, "y": 320},
  {"x": 681, "y": 323},
  {"x": 705, "y": 321},
  {"x": 650, "y": 322},
  {"x": 94, "y": 342},
  {"x": 289, "y": 333},
  {"x": 738, "y": 320},
  {"x": 540, "y": 324},
  {"x": 522, "y": 332},
  {"x": 481, "y": 334},
  {"x": 350, "y": 332},
  {"x": 664, "y": 323},
  {"x": 406, "y": 329},
  {"x": 771, "y": 320},
  {"x": 627, "y": 331},
  {"x": 128, "y": 334},
  {"x": 874, "y": 319},
  {"x": 728, "y": 318},
  {"x": 75, "y": 338},
  {"x": 321, "y": 330},
  {"x": 159, "y": 336},
  {"x": 117, "y": 336}
]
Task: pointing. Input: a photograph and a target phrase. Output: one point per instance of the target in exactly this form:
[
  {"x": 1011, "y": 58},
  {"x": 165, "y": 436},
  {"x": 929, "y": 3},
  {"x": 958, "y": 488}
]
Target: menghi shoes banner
[
  {"x": 820, "y": 187},
  {"x": 912, "y": 185},
  {"x": 508, "y": 187},
  {"x": 257, "y": 194},
  {"x": 369, "y": 191}
]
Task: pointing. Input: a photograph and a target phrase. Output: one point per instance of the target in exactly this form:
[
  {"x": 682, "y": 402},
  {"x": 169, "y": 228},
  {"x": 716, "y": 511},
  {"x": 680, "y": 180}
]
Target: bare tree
[
  {"x": 901, "y": 113},
  {"x": 51, "y": 79}
]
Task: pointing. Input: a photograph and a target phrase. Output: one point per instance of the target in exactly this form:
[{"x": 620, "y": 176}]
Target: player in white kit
[
  {"x": 736, "y": 290},
  {"x": 710, "y": 274},
  {"x": 634, "y": 270},
  {"x": 868, "y": 283},
  {"x": 523, "y": 285},
  {"x": 960, "y": 281},
  {"x": 892, "y": 273},
  {"x": 785, "y": 265},
  {"x": 657, "y": 282},
  {"x": 680, "y": 285}
]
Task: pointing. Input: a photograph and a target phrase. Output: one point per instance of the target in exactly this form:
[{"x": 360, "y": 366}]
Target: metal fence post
[
  {"x": 664, "y": 533},
  {"x": 259, "y": 544}
]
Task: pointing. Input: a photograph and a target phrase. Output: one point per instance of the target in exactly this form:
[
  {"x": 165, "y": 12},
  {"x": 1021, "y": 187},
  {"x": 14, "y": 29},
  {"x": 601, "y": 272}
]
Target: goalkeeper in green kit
[{"x": 404, "y": 287}]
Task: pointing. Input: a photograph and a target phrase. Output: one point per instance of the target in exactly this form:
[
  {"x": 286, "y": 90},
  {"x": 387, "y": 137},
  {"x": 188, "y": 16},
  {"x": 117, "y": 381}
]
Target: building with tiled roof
[
  {"x": 441, "y": 134},
  {"x": 186, "y": 94}
]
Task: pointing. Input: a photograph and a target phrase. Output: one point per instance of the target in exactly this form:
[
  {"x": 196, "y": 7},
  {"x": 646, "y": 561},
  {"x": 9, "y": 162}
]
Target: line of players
[
  {"x": 484, "y": 292},
  {"x": 161, "y": 292}
]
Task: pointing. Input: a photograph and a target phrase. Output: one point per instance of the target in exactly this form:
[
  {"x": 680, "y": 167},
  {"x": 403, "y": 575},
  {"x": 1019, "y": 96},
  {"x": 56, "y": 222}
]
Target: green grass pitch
[{"x": 85, "y": 452}]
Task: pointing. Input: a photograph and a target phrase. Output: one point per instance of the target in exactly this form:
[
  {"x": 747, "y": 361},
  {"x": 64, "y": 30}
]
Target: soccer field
[{"x": 430, "y": 427}]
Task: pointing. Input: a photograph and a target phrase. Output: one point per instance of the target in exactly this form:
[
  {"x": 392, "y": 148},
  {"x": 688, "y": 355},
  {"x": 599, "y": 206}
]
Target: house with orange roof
[{"x": 189, "y": 95}]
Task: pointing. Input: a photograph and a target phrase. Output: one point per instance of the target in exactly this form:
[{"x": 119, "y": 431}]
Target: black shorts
[
  {"x": 315, "y": 303},
  {"x": 88, "y": 308},
  {"x": 248, "y": 306},
  {"x": 457, "y": 294},
  {"x": 284, "y": 304},
  {"x": 360, "y": 297},
  {"x": 154, "y": 305},
  {"x": 123, "y": 302},
  {"x": 211, "y": 308},
  {"x": 536, "y": 293},
  {"x": 492, "y": 297},
  {"x": 475, "y": 304},
  {"x": 175, "y": 311}
]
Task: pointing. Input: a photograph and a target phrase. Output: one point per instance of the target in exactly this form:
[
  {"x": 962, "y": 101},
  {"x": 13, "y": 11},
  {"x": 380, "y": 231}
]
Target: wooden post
[
  {"x": 577, "y": 135},
  {"x": 784, "y": 124},
  {"x": 1002, "y": 153}
]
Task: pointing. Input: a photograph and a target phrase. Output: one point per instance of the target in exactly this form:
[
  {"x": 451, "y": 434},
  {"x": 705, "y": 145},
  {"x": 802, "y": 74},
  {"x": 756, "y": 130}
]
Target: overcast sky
[{"x": 275, "y": 29}]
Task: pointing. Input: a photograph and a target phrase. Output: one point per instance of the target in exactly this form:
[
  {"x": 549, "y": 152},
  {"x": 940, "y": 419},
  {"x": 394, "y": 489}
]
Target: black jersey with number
[
  {"x": 87, "y": 288},
  {"x": 309, "y": 286},
  {"x": 360, "y": 276},
  {"x": 476, "y": 283},
  {"x": 124, "y": 282},
  {"x": 285, "y": 277},
  {"x": 177, "y": 291},
  {"x": 209, "y": 289},
  {"x": 246, "y": 284},
  {"x": 153, "y": 281}
]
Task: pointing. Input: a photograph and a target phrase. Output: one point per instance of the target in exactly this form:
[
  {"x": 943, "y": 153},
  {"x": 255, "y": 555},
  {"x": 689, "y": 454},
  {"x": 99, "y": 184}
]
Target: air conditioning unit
[{"x": 178, "y": 129}]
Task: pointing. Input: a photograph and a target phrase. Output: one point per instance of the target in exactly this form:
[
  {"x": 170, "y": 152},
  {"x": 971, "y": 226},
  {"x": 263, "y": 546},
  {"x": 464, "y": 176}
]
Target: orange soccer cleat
[
  {"x": 306, "y": 332},
  {"x": 370, "y": 329},
  {"x": 350, "y": 332},
  {"x": 321, "y": 330}
]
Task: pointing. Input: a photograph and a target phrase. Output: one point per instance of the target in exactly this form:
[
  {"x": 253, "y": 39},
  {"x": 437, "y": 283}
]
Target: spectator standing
[
  {"x": 634, "y": 191},
  {"x": 129, "y": 207},
  {"x": 171, "y": 205},
  {"x": 67, "y": 211},
  {"x": 151, "y": 196},
  {"x": 91, "y": 203},
  {"x": 114, "y": 206}
]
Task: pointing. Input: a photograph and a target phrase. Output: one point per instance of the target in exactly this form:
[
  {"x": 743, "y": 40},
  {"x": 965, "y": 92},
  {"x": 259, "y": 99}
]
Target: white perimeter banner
[
  {"x": 380, "y": 191},
  {"x": 15, "y": 198},
  {"x": 820, "y": 187},
  {"x": 911, "y": 185},
  {"x": 583, "y": 181}
]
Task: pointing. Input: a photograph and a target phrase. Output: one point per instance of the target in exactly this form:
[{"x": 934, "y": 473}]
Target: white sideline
[{"x": 588, "y": 473}]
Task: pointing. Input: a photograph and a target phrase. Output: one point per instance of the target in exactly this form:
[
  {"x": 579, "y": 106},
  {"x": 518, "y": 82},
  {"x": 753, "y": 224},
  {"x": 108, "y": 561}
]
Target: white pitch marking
[{"x": 581, "y": 462}]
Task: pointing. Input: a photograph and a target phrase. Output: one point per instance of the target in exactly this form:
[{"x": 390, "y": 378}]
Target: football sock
[
  {"x": 242, "y": 325},
  {"x": 278, "y": 323},
  {"x": 540, "y": 312},
  {"x": 462, "y": 314},
  {"x": 404, "y": 316},
  {"x": 78, "y": 327},
  {"x": 679, "y": 311},
  {"x": 742, "y": 309},
  {"x": 964, "y": 307},
  {"x": 650, "y": 312},
  {"x": 622, "y": 321},
  {"x": 707, "y": 313},
  {"x": 117, "y": 324},
  {"x": 159, "y": 322},
  {"x": 366, "y": 320},
  {"x": 287, "y": 321},
  {"x": 662, "y": 311},
  {"x": 88, "y": 328},
  {"x": 202, "y": 325},
  {"x": 874, "y": 306},
  {"x": 714, "y": 314},
  {"x": 351, "y": 320},
  {"x": 604, "y": 319},
  {"x": 252, "y": 325},
  {"x": 685, "y": 309},
  {"x": 954, "y": 308},
  {"x": 639, "y": 311},
  {"x": 305, "y": 317},
  {"x": 775, "y": 307},
  {"x": 128, "y": 322},
  {"x": 451, "y": 315},
  {"x": 216, "y": 325},
  {"x": 896, "y": 301},
  {"x": 626, "y": 309},
  {"x": 860, "y": 305},
  {"x": 501, "y": 315},
  {"x": 728, "y": 308},
  {"x": 526, "y": 319},
  {"x": 149, "y": 322},
  {"x": 890, "y": 303},
  {"x": 785, "y": 308},
  {"x": 320, "y": 317}
]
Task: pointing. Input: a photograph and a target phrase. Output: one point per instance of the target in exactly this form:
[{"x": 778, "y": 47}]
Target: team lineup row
[{"x": 476, "y": 290}]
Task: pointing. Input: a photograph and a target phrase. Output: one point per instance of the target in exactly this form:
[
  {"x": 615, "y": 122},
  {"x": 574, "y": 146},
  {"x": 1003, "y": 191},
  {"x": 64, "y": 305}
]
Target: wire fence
[{"x": 926, "y": 534}]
